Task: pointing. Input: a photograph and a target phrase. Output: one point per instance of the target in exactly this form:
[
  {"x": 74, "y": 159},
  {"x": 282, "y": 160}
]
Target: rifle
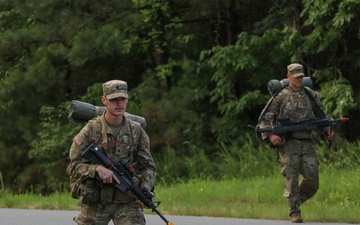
[
  {"x": 123, "y": 173},
  {"x": 285, "y": 125}
]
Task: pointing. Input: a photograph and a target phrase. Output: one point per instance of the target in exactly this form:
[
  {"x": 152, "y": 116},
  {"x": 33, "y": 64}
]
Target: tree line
[{"x": 197, "y": 71}]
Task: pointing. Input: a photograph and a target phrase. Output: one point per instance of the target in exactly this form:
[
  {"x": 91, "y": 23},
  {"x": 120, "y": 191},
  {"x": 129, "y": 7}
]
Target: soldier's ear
[{"x": 103, "y": 99}]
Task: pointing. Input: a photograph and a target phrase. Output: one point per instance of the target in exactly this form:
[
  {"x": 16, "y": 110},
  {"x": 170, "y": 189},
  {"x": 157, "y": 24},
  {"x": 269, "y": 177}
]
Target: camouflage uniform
[
  {"x": 101, "y": 202},
  {"x": 297, "y": 152}
]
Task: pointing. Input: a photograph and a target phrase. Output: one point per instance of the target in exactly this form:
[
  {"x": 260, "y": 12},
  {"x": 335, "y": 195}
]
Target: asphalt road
[{"x": 57, "y": 217}]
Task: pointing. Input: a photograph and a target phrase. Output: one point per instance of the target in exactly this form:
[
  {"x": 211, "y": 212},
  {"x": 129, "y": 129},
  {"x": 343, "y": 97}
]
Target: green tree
[
  {"x": 51, "y": 52},
  {"x": 197, "y": 70}
]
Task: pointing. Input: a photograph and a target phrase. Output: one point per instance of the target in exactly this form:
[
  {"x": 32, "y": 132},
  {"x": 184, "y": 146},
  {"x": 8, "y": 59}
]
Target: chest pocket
[
  {"x": 123, "y": 147},
  {"x": 297, "y": 107}
]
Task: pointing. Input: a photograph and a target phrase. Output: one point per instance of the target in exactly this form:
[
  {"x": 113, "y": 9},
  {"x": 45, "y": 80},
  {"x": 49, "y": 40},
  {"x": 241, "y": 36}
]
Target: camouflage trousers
[
  {"x": 120, "y": 213},
  {"x": 298, "y": 157}
]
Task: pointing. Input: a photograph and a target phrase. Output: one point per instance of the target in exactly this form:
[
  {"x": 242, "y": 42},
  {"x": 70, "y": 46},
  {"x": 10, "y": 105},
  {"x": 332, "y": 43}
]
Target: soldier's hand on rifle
[
  {"x": 106, "y": 175},
  {"x": 330, "y": 134},
  {"x": 275, "y": 139}
]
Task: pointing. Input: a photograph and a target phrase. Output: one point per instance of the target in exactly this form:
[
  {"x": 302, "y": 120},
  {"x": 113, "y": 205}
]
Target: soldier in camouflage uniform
[
  {"x": 296, "y": 150},
  {"x": 120, "y": 138}
]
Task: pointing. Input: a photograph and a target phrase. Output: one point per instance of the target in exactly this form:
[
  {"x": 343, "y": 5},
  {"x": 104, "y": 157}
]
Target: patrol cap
[
  {"x": 115, "y": 89},
  {"x": 296, "y": 70}
]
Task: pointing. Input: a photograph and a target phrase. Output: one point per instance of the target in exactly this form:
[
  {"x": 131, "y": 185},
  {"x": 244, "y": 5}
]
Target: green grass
[
  {"x": 241, "y": 183},
  {"x": 257, "y": 198},
  {"x": 57, "y": 201},
  {"x": 262, "y": 198}
]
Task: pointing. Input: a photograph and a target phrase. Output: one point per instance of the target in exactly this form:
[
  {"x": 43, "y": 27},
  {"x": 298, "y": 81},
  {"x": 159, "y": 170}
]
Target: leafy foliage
[
  {"x": 338, "y": 97},
  {"x": 196, "y": 70}
]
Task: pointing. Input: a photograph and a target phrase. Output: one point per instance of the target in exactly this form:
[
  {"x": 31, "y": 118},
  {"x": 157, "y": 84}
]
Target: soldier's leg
[
  {"x": 92, "y": 215},
  {"x": 289, "y": 159},
  {"x": 86, "y": 215},
  {"x": 129, "y": 214},
  {"x": 310, "y": 171}
]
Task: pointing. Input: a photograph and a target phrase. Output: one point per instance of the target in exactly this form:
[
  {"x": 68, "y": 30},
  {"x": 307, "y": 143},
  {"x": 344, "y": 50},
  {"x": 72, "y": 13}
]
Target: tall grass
[
  {"x": 1, "y": 183},
  {"x": 231, "y": 161},
  {"x": 244, "y": 160}
]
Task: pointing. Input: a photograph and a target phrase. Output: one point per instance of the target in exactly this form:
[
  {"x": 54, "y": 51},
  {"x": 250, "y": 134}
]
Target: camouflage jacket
[
  {"x": 297, "y": 105},
  {"x": 132, "y": 143}
]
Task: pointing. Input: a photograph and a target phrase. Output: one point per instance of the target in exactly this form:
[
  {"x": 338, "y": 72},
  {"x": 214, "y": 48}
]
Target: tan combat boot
[{"x": 296, "y": 218}]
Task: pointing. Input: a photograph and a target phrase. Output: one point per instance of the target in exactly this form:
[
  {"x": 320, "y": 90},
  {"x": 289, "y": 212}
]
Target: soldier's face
[
  {"x": 116, "y": 106},
  {"x": 295, "y": 82}
]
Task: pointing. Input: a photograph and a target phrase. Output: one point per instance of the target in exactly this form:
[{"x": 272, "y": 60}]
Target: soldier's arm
[
  {"x": 79, "y": 167},
  {"x": 270, "y": 115},
  {"x": 145, "y": 162}
]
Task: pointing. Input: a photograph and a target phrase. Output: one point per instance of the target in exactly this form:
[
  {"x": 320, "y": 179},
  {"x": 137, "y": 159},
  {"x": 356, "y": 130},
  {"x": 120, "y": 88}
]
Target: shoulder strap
[
  {"x": 311, "y": 95},
  {"x": 93, "y": 130},
  {"x": 135, "y": 132},
  {"x": 263, "y": 112}
]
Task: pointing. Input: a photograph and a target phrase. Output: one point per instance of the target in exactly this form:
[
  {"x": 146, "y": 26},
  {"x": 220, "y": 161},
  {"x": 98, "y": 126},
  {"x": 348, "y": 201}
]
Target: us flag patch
[{"x": 78, "y": 141}]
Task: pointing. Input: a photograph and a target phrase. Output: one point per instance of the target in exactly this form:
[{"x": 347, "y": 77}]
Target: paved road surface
[{"x": 57, "y": 217}]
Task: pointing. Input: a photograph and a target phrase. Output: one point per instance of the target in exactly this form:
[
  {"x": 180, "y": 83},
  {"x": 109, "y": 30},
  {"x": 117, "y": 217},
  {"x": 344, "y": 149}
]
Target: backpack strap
[
  {"x": 136, "y": 133},
  {"x": 104, "y": 137},
  {"x": 93, "y": 130},
  {"x": 263, "y": 112},
  {"x": 317, "y": 109}
]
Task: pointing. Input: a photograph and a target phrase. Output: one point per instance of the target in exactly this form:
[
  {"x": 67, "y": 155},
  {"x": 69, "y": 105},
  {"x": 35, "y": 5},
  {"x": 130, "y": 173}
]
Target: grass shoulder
[{"x": 255, "y": 198}]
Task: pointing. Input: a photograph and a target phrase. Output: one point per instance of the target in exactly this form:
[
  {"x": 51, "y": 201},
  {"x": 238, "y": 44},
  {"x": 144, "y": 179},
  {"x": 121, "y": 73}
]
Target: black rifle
[
  {"x": 285, "y": 125},
  {"x": 123, "y": 173}
]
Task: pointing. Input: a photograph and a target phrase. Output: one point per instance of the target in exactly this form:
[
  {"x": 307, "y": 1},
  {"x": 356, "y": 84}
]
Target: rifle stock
[{"x": 123, "y": 173}]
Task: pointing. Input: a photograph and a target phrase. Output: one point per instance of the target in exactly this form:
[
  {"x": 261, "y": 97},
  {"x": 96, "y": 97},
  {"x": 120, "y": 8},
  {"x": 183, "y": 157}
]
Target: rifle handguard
[{"x": 285, "y": 126}]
